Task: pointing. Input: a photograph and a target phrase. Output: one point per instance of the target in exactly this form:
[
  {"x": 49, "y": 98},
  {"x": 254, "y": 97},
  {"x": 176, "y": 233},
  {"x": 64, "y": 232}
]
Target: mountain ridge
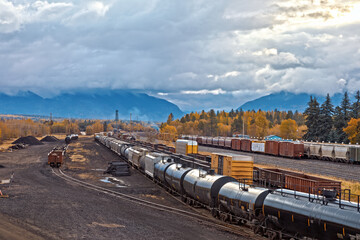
[
  {"x": 285, "y": 101},
  {"x": 95, "y": 104}
]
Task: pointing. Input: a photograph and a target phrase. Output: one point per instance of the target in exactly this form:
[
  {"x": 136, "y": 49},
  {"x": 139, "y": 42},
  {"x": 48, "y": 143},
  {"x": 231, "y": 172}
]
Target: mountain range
[
  {"x": 285, "y": 101},
  {"x": 96, "y": 104}
]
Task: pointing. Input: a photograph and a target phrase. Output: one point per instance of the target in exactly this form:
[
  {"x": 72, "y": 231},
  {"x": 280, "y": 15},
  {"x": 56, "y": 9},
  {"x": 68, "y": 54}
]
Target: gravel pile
[
  {"x": 49, "y": 139},
  {"x": 30, "y": 140}
]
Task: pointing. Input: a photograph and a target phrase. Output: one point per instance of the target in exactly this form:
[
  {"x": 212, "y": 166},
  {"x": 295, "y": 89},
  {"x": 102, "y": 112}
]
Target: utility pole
[
  {"x": 243, "y": 126},
  {"x": 117, "y": 119},
  {"x": 130, "y": 124}
]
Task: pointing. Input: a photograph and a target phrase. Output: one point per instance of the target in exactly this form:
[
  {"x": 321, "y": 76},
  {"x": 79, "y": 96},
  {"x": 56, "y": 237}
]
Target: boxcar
[
  {"x": 291, "y": 149},
  {"x": 236, "y": 144},
  {"x": 246, "y": 145},
  {"x": 258, "y": 146},
  {"x": 272, "y": 147}
]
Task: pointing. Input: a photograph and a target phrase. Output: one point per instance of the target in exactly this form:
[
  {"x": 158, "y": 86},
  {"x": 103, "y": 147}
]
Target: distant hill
[
  {"x": 95, "y": 104},
  {"x": 285, "y": 101}
]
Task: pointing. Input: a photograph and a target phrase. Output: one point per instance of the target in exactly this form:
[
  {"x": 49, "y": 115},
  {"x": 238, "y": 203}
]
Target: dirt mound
[
  {"x": 49, "y": 139},
  {"x": 30, "y": 140}
]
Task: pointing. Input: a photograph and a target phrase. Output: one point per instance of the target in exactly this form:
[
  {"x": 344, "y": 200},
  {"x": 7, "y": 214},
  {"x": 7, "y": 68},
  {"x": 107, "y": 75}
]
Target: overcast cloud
[{"x": 197, "y": 54}]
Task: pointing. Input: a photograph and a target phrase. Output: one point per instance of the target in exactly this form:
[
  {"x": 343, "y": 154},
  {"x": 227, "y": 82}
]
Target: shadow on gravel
[{"x": 2, "y": 166}]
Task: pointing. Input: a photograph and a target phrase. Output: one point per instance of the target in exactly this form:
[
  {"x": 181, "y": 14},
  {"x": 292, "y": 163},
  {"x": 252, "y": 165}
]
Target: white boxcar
[
  {"x": 135, "y": 153},
  {"x": 258, "y": 147}
]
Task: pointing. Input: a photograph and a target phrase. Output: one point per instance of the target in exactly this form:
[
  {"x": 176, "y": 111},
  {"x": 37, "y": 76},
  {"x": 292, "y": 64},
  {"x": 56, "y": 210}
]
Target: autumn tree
[
  {"x": 353, "y": 130},
  {"x": 168, "y": 132},
  {"x": 288, "y": 129}
]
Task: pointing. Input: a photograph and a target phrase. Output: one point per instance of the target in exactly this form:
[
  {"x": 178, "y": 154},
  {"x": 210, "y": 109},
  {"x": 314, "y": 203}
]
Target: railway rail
[{"x": 205, "y": 220}]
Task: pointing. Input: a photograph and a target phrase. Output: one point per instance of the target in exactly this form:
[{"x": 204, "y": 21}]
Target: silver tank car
[
  {"x": 311, "y": 218},
  {"x": 175, "y": 175},
  {"x": 204, "y": 187},
  {"x": 242, "y": 200},
  {"x": 151, "y": 159},
  {"x": 160, "y": 169}
]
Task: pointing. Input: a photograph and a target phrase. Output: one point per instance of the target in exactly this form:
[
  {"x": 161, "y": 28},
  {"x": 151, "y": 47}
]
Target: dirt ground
[{"x": 43, "y": 206}]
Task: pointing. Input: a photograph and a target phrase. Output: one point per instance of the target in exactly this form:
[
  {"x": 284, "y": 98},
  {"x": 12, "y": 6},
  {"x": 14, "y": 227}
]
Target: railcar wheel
[{"x": 58, "y": 165}]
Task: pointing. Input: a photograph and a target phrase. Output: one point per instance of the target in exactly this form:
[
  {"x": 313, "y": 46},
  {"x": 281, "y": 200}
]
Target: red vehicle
[
  {"x": 246, "y": 145},
  {"x": 236, "y": 144},
  {"x": 291, "y": 149},
  {"x": 272, "y": 147},
  {"x": 56, "y": 156}
]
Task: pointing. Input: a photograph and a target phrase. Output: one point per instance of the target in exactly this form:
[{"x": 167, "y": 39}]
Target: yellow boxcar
[
  {"x": 186, "y": 146},
  {"x": 237, "y": 166}
]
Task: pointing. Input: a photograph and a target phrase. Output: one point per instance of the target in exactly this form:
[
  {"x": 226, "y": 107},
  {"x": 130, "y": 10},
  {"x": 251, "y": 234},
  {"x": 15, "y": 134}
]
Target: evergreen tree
[
  {"x": 312, "y": 122},
  {"x": 290, "y": 115},
  {"x": 326, "y": 121},
  {"x": 356, "y": 106},
  {"x": 342, "y": 117},
  {"x": 237, "y": 124},
  {"x": 213, "y": 122},
  {"x": 170, "y": 118}
]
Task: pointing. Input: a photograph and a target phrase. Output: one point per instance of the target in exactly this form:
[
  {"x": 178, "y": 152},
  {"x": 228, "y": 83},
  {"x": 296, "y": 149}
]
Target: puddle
[
  {"x": 115, "y": 181},
  {"x": 98, "y": 169}
]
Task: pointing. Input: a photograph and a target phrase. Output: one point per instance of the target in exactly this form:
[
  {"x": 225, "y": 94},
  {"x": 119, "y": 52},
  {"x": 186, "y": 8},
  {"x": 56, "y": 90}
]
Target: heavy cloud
[{"x": 197, "y": 54}]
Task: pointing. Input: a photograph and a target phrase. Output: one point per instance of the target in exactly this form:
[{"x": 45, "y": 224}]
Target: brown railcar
[
  {"x": 291, "y": 149},
  {"x": 56, "y": 156},
  {"x": 246, "y": 145},
  {"x": 236, "y": 144},
  {"x": 272, "y": 147},
  {"x": 296, "y": 181}
]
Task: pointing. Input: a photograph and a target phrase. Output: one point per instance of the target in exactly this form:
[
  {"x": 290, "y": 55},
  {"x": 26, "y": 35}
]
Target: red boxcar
[
  {"x": 228, "y": 142},
  {"x": 236, "y": 144},
  {"x": 272, "y": 147},
  {"x": 246, "y": 145},
  {"x": 291, "y": 149}
]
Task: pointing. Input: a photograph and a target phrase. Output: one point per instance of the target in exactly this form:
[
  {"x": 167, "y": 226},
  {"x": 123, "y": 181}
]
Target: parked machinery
[{"x": 273, "y": 213}]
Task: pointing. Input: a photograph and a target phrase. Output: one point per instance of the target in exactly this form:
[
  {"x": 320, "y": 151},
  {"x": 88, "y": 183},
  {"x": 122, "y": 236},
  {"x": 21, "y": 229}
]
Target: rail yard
[
  {"x": 47, "y": 206},
  {"x": 82, "y": 201}
]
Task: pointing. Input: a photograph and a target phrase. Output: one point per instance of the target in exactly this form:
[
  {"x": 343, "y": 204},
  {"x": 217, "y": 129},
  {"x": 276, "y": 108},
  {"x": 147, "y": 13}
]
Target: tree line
[
  {"x": 287, "y": 124},
  {"x": 326, "y": 123}
]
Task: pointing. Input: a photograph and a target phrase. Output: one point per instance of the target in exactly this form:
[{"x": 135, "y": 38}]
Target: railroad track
[{"x": 205, "y": 220}]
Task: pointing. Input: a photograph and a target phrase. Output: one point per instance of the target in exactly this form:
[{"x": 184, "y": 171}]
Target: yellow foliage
[
  {"x": 288, "y": 129},
  {"x": 169, "y": 133},
  {"x": 353, "y": 130}
]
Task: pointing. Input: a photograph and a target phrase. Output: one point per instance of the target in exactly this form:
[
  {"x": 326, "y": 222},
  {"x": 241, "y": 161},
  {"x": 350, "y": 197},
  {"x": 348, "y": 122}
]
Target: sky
[{"x": 196, "y": 54}]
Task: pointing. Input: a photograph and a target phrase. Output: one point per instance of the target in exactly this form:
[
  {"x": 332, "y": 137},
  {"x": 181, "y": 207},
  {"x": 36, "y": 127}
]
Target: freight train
[
  {"x": 277, "y": 213},
  {"x": 293, "y": 149}
]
